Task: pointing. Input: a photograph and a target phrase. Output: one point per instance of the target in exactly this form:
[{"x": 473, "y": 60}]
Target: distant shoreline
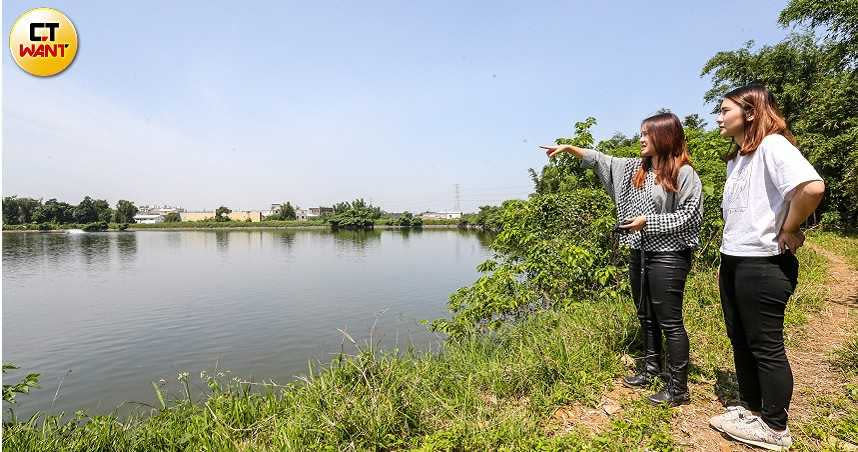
[{"x": 226, "y": 228}]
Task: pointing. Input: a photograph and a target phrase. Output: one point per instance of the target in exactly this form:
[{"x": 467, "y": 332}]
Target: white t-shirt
[{"x": 757, "y": 194}]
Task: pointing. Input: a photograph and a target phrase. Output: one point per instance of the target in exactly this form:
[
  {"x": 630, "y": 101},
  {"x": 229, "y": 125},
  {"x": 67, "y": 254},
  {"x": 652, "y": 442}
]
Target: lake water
[{"x": 103, "y": 315}]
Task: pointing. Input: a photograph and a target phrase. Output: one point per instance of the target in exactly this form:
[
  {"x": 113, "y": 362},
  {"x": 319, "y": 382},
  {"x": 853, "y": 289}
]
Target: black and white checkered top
[{"x": 673, "y": 219}]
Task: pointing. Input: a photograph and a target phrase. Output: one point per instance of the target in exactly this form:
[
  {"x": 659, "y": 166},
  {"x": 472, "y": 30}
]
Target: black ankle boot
[
  {"x": 669, "y": 396},
  {"x": 646, "y": 376},
  {"x": 640, "y": 380},
  {"x": 676, "y": 391}
]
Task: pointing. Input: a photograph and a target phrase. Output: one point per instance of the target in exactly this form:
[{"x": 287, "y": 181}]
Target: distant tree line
[{"x": 29, "y": 211}]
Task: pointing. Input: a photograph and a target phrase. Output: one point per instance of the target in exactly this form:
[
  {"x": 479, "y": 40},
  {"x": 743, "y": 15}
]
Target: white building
[
  {"x": 300, "y": 214},
  {"x": 441, "y": 215},
  {"x": 158, "y": 210},
  {"x": 148, "y": 219}
]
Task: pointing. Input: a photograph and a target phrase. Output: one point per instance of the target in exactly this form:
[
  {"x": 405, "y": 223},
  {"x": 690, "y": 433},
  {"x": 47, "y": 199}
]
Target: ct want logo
[{"x": 43, "y": 42}]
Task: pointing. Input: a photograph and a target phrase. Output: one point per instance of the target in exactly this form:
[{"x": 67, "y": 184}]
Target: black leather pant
[{"x": 660, "y": 311}]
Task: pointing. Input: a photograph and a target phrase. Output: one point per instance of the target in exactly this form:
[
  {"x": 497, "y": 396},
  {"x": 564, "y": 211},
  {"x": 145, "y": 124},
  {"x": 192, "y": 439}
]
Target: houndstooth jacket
[{"x": 673, "y": 219}]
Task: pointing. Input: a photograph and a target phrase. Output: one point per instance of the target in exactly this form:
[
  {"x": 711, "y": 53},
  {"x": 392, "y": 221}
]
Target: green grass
[
  {"x": 845, "y": 245},
  {"x": 845, "y": 358},
  {"x": 494, "y": 391},
  {"x": 835, "y": 417}
]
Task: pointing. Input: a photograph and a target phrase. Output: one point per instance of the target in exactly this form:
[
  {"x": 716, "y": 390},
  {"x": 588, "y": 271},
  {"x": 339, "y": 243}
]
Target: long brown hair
[
  {"x": 668, "y": 139},
  {"x": 756, "y": 100}
]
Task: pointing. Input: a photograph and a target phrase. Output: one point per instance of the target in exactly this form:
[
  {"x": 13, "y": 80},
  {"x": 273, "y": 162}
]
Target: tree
[
  {"x": 20, "y": 210},
  {"x": 564, "y": 173},
  {"x": 489, "y": 218},
  {"x": 839, "y": 19},
  {"x": 694, "y": 121},
  {"x": 355, "y": 215},
  {"x": 286, "y": 212},
  {"x": 222, "y": 213},
  {"x": 53, "y": 211},
  {"x": 172, "y": 217},
  {"x": 618, "y": 141},
  {"x": 125, "y": 211},
  {"x": 85, "y": 211},
  {"x": 103, "y": 210},
  {"x": 405, "y": 219},
  {"x": 341, "y": 207},
  {"x": 10, "y": 210}
]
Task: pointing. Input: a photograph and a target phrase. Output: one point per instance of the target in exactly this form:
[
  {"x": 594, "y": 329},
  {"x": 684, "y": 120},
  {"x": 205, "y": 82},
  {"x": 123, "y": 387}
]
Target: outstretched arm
[
  {"x": 551, "y": 151},
  {"x": 605, "y": 166}
]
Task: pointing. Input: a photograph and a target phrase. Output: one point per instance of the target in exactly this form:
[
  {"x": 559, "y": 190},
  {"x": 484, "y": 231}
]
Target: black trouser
[
  {"x": 664, "y": 286},
  {"x": 754, "y": 294}
]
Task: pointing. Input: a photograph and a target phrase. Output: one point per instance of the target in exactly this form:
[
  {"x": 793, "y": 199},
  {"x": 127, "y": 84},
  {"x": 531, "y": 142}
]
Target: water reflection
[
  {"x": 174, "y": 239},
  {"x": 222, "y": 240},
  {"x": 485, "y": 238},
  {"x": 405, "y": 233},
  {"x": 266, "y": 304},
  {"x": 351, "y": 241},
  {"x": 126, "y": 243},
  {"x": 286, "y": 238},
  {"x": 57, "y": 247},
  {"x": 95, "y": 249}
]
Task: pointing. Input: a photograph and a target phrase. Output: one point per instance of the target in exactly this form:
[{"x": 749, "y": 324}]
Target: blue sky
[{"x": 202, "y": 104}]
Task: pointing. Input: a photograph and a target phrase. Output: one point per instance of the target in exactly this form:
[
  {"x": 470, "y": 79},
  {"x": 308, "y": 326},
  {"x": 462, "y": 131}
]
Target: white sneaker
[
  {"x": 733, "y": 413},
  {"x": 752, "y": 430}
]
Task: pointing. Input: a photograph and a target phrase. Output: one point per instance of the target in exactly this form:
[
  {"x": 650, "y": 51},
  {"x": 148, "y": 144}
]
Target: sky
[{"x": 245, "y": 104}]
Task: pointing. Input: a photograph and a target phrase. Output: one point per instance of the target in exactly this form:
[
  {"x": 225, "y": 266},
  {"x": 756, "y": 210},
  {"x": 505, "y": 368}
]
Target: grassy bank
[
  {"x": 844, "y": 244},
  {"x": 493, "y": 391}
]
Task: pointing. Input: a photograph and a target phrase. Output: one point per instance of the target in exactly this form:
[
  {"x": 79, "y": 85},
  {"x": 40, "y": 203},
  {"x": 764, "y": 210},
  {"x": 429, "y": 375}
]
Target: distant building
[
  {"x": 300, "y": 214},
  {"x": 148, "y": 219},
  {"x": 243, "y": 215},
  {"x": 441, "y": 215},
  {"x": 158, "y": 210},
  {"x": 316, "y": 212},
  {"x": 235, "y": 215},
  {"x": 196, "y": 216}
]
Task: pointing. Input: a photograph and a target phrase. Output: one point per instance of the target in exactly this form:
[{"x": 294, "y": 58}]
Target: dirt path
[{"x": 809, "y": 361}]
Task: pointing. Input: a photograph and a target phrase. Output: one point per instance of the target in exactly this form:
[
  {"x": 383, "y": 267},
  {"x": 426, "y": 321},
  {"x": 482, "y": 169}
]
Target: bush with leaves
[
  {"x": 553, "y": 249},
  {"x": 21, "y": 387},
  {"x": 98, "y": 226},
  {"x": 355, "y": 215},
  {"x": 222, "y": 213}
]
